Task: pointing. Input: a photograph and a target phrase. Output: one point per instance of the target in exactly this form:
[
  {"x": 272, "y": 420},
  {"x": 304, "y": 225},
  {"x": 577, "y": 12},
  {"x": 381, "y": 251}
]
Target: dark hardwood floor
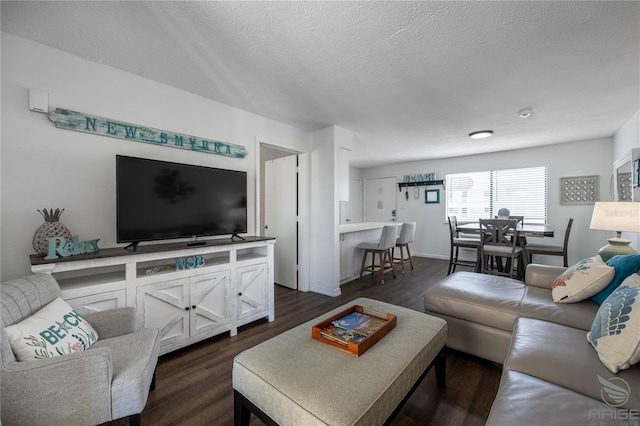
[{"x": 193, "y": 385}]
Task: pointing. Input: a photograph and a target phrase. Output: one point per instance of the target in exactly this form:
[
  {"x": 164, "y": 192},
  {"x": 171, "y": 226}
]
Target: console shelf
[{"x": 233, "y": 287}]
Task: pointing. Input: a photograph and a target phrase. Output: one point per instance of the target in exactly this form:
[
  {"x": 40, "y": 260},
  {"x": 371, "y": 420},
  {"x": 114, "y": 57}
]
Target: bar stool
[
  {"x": 407, "y": 234},
  {"x": 382, "y": 248}
]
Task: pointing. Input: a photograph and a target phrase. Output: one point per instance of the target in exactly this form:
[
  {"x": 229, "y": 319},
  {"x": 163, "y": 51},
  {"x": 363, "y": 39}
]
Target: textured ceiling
[{"x": 409, "y": 79}]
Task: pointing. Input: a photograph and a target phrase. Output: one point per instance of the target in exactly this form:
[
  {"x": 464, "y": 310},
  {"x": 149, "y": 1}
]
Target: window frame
[{"x": 481, "y": 194}]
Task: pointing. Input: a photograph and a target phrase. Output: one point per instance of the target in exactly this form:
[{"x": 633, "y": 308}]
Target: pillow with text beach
[
  {"x": 54, "y": 330},
  {"x": 582, "y": 280}
]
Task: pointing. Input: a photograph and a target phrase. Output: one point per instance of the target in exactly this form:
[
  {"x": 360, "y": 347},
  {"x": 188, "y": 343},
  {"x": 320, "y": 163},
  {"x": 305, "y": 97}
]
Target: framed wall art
[
  {"x": 431, "y": 196},
  {"x": 579, "y": 190}
]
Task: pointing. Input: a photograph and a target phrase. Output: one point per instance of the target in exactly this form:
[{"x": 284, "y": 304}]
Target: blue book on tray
[{"x": 351, "y": 321}]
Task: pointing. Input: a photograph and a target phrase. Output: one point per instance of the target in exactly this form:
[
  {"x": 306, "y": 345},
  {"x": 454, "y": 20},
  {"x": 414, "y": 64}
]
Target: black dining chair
[
  {"x": 458, "y": 242},
  {"x": 520, "y": 219},
  {"x": 499, "y": 251},
  {"x": 552, "y": 250}
]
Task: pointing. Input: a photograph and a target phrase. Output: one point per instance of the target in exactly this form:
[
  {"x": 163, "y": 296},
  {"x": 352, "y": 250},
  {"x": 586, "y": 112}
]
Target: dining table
[{"x": 524, "y": 229}]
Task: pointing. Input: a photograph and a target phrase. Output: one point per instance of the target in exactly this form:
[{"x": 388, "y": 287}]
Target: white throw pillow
[
  {"x": 54, "y": 330},
  {"x": 582, "y": 280},
  {"x": 615, "y": 333}
]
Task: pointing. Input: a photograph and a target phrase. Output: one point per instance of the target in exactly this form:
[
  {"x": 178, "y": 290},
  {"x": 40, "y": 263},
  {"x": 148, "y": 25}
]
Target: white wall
[
  {"x": 626, "y": 138},
  {"x": 46, "y": 167},
  {"x": 325, "y": 150},
  {"x": 324, "y": 214},
  {"x": 570, "y": 159},
  {"x": 355, "y": 173}
]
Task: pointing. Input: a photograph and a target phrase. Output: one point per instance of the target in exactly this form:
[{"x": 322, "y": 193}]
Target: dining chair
[
  {"x": 522, "y": 240},
  {"x": 551, "y": 250},
  {"x": 382, "y": 248},
  {"x": 520, "y": 219},
  {"x": 407, "y": 235},
  {"x": 499, "y": 250},
  {"x": 458, "y": 242}
]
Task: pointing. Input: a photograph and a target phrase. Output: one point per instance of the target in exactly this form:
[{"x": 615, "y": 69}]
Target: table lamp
[{"x": 619, "y": 217}]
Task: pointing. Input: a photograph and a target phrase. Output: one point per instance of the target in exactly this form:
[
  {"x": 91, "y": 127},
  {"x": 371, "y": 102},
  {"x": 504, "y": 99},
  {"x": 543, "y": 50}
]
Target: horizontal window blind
[
  {"x": 479, "y": 195},
  {"x": 468, "y": 195}
]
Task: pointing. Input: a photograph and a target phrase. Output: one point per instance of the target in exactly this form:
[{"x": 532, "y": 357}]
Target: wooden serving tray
[{"x": 320, "y": 333}]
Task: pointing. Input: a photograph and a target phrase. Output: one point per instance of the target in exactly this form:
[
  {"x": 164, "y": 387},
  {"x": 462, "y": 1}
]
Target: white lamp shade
[{"x": 616, "y": 216}]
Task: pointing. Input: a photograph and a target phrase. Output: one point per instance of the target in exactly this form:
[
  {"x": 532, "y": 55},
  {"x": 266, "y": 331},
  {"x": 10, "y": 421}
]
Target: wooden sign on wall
[{"x": 71, "y": 120}]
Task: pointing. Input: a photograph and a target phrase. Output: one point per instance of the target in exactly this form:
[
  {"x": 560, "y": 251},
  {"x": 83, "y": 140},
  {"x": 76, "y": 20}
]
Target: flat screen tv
[{"x": 159, "y": 200}]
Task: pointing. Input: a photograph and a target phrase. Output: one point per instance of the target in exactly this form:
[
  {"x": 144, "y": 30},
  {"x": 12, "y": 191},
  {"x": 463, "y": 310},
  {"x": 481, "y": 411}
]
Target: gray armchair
[{"x": 108, "y": 381}]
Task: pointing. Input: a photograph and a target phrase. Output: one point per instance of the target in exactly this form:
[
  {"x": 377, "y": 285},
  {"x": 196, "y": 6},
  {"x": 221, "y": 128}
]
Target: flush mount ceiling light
[
  {"x": 481, "y": 134},
  {"x": 525, "y": 113}
]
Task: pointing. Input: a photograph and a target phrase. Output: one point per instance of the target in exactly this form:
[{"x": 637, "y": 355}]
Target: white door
[
  {"x": 280, "y": 217},
  {"x": 381, "y": 199},
  {"x": 351, "y": 211}
]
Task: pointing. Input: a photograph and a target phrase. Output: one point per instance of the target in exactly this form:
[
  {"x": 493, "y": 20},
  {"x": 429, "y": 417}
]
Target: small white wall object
[{"x": 38, "y": 100}]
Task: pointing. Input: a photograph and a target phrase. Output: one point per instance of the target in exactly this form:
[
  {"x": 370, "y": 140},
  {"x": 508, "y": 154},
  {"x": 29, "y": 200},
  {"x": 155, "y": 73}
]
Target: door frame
[{"x": 303, "y": 205}]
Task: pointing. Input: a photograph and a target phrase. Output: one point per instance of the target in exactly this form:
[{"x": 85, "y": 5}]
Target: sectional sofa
[{"x": 552, "y": 374}]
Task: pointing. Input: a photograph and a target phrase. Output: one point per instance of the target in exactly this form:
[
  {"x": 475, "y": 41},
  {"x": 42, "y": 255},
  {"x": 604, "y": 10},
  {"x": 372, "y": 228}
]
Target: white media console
[{"x": 232, "y": 287}]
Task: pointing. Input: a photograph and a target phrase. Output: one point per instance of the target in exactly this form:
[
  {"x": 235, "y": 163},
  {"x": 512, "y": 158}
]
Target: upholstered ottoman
[{"x": 292, "y": 379}]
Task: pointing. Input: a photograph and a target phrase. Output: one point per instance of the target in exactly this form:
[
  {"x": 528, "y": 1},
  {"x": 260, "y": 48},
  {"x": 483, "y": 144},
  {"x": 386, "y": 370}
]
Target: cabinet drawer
[{"x": 100, "y": 301}]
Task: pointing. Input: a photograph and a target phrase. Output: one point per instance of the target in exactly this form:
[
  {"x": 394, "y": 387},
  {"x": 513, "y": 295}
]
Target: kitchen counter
[
  {"x": 363, "y": 226},
  {"x": 352, "y": 234}
]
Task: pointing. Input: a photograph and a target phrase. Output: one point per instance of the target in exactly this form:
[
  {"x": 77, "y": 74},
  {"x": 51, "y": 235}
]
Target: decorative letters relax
[
  {"x": 70, "y": 248},
  {"x": 71, "y": 120}
]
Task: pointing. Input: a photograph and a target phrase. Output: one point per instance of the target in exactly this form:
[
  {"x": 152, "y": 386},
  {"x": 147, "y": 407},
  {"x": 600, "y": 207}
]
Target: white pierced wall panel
[{"x": 579, "y": 190}]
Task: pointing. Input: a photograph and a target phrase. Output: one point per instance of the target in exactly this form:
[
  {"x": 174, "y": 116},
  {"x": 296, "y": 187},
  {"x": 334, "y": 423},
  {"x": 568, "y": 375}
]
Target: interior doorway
[
  {"x": 280, "y": 217},
  {"x": 281, "y": 204}
]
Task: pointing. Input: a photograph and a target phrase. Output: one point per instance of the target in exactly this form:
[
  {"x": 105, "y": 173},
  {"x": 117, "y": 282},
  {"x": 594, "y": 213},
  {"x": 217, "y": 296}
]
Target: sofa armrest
[
  {"x": 72, "y": 389},
  {"x": 542, "y": 276},
  {"x": 111, "y": 322}
]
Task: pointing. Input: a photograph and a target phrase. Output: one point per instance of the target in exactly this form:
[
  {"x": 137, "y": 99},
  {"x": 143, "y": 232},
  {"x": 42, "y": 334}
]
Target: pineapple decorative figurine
[{"x": 52, "y": 227}]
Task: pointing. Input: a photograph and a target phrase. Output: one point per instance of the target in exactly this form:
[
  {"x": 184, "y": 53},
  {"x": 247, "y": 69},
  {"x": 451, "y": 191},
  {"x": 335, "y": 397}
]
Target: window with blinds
[{"x": 479, "y": 195}]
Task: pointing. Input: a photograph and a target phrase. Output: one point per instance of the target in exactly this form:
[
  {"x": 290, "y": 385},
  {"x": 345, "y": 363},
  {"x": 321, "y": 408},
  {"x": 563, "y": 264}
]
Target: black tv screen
[{"x": 159, "y": 200}]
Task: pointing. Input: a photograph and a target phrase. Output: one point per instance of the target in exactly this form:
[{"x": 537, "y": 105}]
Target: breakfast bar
[{"x": 351, "y": 235}]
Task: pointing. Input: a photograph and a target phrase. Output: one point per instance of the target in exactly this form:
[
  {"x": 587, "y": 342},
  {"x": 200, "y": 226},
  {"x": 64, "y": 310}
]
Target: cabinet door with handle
[
  {"x": 210, "y": 302},
  {"x": 165, "y": 306},
  {"x": 252, "y": 293}
]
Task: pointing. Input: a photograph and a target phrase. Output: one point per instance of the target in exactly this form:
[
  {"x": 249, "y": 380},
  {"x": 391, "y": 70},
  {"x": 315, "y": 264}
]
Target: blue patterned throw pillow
[
  {"x": 624, "y": 265},
  {"x": 615, "y": 333}
]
